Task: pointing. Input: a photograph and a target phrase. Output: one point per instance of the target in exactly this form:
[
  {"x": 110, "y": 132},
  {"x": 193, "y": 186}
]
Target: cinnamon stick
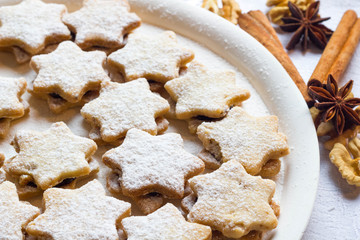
[
  {"x": 263, "y": 20},
  {"x": 335, "y": 46},
  {"x": 342, "y": 61},
  {"x": 256, "y": 29}
]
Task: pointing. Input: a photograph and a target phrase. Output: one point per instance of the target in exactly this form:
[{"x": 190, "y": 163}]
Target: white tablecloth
[{"x": 336, "y": 214}]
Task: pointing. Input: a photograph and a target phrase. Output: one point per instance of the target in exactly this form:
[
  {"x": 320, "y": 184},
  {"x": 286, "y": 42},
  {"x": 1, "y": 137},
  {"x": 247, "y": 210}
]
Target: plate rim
[{"x": 269, "y": 79}]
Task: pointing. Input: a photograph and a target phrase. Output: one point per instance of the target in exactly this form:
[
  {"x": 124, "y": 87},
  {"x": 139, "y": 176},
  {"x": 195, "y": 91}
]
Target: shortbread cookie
[
  {"x": 68, "y": 73},
  {"x": 32, "y": 25},
  {"x": 166, "y": 223},
  {"x": 121, "y": 107},
  {"x": 153, "y": 164},
  {"x": 82, "y": 214},
  {"x": 11, "y": 104},
  {"x": 189, "y": 201},
  {"x": 14, "y": 214},
  {"x": 102, "y": 23},
  {"x": 147, "y": 203},
  {"x": 46, "y": 159},
  {"x": 268, "y": 170},
  {"x": 205, "y": 92},
  {"x": 232, "y": 201},
  {"x": 157, "y": 58},
  {"x": 252, "y": 141}
]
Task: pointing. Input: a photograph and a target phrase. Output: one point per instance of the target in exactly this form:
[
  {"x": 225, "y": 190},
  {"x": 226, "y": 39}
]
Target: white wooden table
[{"x": 336, "y": 214}]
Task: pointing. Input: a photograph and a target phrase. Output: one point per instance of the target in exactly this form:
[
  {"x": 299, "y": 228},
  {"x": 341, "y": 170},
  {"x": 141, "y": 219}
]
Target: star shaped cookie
[
  {"x": 32, "y": 25},
  {"x": 14, "y": 214},
  {"x": 122, "y": 106},
  {"x": 166, "y": 223},
  {"x": 156, "y": 58},
  {"x": 11, "y": 104},
  {"x": 232, "y": 201},
  {"x": 68, "y": 73},
  {"x": 153, "y": 164},
  {"x": 252, "y": 141},
  {"x": 102, "y": 23},
  {"x": 205, "y": 92},
  {"x": 46, "y": 159},
  {"x": 84, "y": 213}
]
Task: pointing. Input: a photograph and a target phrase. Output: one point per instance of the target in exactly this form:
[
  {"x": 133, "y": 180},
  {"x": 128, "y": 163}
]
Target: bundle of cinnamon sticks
[{"x": 334, "y": 60}]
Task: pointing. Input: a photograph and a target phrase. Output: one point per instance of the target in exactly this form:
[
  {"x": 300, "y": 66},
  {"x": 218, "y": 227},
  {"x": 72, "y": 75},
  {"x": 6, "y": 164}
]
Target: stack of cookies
[{"x": 128, "y": 85}]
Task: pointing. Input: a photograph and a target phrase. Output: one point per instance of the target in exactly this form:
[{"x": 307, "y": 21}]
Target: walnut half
[{"x": 348, "y": 166}]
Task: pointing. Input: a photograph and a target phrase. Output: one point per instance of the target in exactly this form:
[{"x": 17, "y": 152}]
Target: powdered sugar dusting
[
  {"x": 69, "y": 72},
  {"x": 153, "y": 164},
  {"x": 121, "y": 107},
  {"x": 247, "y": 139},
  {"x": 50, "y": 157},
  {"x": 157, "y": 58},
  {"x": 205, "y": 92},
  {"x": 167, "y": 223},
  {"x": 82, "y": 214},
  {"x": 102, "y": 23},
  {"x": 232, "y": 201},
  {"x": 32, "y": 25}
]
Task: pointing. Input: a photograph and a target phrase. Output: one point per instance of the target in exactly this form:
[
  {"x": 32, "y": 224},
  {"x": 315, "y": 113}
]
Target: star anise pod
[
  {"x": 334, "y": 103},
  {"x": 306, "y": 25}
]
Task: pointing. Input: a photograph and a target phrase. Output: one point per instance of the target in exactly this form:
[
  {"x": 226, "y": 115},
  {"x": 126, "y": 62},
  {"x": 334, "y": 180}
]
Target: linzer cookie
[
  {"x": 156, "y": 58},
  {"x": 205, "y": 92},
  {"x": 121, "y": 107},
  {"x": 252, "y": 141},
  {"x": 233, "y": 202},
  {"x": 152, "y": 165},
  {"x": 14, "y": 214},
  {"x": 84, "y": 213},
  {"x": 11, "y": 104},
  {"x": 102, "y": 23},
  {"x": 68, "y": 76},
  {"x": 166, "y": 223},
  {"x": 32, "y": 25},
  {"x": 269, "y": 169},
  {"x": 55, "y": 157}
]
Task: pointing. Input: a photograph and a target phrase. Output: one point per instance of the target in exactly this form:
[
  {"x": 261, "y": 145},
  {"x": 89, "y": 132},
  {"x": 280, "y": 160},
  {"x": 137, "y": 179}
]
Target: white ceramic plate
[{"x": 270, "y": 85}]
